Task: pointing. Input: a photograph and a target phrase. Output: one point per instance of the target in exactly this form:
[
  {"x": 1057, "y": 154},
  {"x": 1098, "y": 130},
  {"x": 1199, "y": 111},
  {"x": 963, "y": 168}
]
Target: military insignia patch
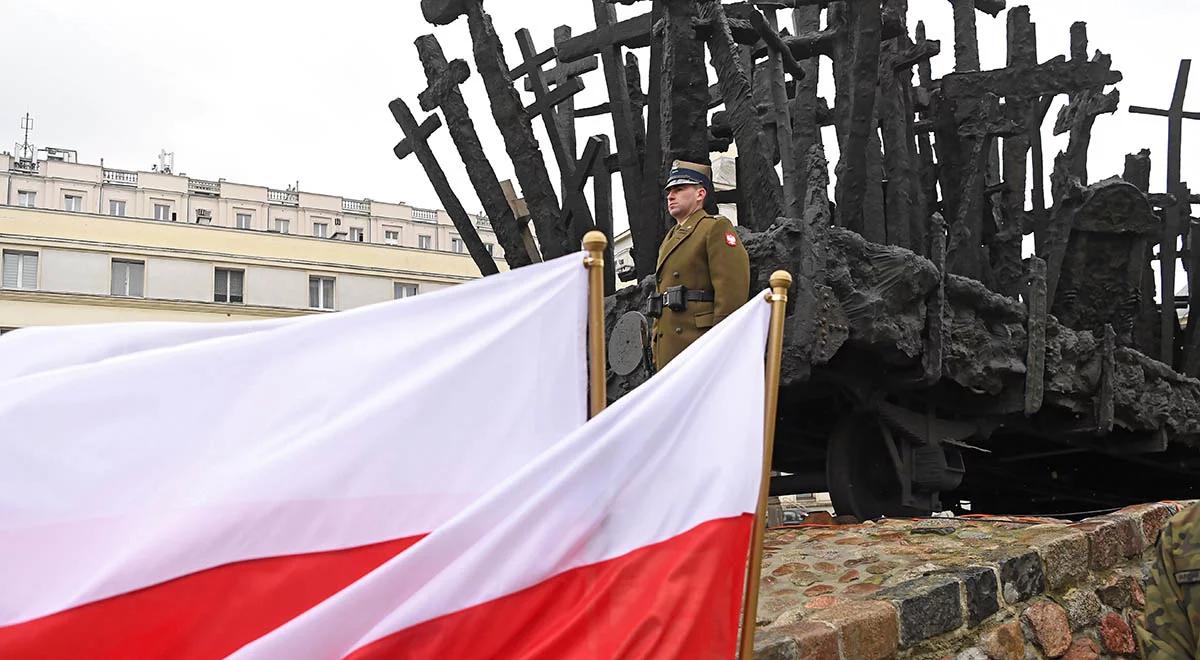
[
  {"x": 1188, "y": 577},
  {"x": 730, "y": 238}
]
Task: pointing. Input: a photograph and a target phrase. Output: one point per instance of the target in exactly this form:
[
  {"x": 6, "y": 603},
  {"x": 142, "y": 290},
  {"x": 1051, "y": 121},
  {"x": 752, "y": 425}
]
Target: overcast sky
[{"x": 270, "y": 93}]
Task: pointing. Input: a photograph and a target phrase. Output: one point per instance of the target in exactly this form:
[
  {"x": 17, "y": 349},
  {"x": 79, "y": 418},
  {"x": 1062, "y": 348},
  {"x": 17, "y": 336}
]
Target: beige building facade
[
  {"x": 57, "y": 184},
  {"x": 86, "y": 244}
]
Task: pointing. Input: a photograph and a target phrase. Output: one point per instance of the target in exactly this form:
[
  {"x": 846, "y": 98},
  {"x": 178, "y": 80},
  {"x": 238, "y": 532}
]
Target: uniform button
[
  {"x": 678, "y": 331},
  {"x": 676, "y": 273}
]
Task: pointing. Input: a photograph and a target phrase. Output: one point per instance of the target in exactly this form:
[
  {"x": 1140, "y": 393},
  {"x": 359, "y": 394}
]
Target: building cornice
[{"x": 153, "y": 304}]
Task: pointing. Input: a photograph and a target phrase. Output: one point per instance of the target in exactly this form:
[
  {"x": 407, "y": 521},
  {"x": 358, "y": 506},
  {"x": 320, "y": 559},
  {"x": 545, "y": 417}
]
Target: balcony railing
[
  {"x": 423, "y": 215},
  {"x": 359, "y": 206},
  {"x": 202, "y": 187},
  {"x": 120, "y": 177},
  {"x": 288, "y": 197},
  {"x": 29, "y": 166}
]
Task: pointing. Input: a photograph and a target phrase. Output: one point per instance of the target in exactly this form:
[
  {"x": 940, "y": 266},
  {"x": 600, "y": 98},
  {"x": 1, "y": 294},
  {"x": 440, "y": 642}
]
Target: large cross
[
  {"x": 629, "y": 129},
  {"x": 416, "y": 141},
  {"x": 560, "y": 75},
  {"x": 1080, "y": 113},
  {"x": 966, "y": 41},
  {"x": 575, "y": 207},
  {"x": 1178, "y": 213},
  {"x": 966, "y": 89},
  {"x": 511, "y": 118},
  {"x": 444, "y": 78},
  {"x": 635, "y": 32},
  {"x": 780, "y": 60},
  {"x": 805, "y": 104},
  {"x": 756, "y": 176}
]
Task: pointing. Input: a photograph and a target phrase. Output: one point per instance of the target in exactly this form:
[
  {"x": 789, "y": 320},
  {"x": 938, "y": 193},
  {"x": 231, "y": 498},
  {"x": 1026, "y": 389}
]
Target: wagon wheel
[{"x": 860, "y": 471}]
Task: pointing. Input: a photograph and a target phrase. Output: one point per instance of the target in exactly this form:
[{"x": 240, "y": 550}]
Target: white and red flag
[{"x": 412, "y": 479}]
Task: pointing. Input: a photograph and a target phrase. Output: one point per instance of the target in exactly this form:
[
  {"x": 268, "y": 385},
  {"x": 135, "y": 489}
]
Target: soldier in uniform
[
  {"x": 703, "y": 272},
  {"x": 1171, "y": 628}
]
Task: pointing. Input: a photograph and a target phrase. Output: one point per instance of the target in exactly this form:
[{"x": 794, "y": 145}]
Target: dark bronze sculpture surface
[{"x": 923, "y": 335}]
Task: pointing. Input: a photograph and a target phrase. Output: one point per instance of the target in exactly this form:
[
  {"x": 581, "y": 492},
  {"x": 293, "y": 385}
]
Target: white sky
[{"x": 273, "y": 92}]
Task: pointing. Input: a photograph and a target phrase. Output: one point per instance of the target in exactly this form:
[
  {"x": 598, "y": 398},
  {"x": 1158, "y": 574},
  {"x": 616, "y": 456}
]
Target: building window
[
  {"x": 456, "y": 245},
  {"x": 162, "y": 211},
  {"x": 421, "y": 215},
  {"x": 26, "y": 198},
  {"x": 321, "y": 229},
  {"x": 391, "y": 236},
  {"x": 228, "y": 285},
  {"x": 283, "y": 226},
  {"x": 356, "y": 234},
  {"x": 73, "y": 203},
  {"x": 242, "y": 221},
  {"x": 116, "y": 207},
  {"x": 425, "y": 242},
  {"x": 320, "y": 292},
  {"x": 403, "y": 290},
  {"x": 491, "y": 249},
  {"x": 128, "y": 278},
  {"x": 20, "y": 270},
  {"x": 203, "y": 216}
]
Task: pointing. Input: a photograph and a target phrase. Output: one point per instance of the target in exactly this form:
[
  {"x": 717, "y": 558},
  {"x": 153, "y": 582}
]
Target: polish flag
[{"x": 413, "y": 479}]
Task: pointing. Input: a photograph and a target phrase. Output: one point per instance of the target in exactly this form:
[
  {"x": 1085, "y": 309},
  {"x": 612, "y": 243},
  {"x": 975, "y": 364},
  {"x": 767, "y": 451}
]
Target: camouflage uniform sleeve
[
  {"x": 1165, "y": 632},
  {"x": 729, "y": 268}
]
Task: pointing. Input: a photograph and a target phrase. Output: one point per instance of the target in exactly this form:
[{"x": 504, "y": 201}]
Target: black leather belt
[
  {"x": 676, "y": 298},
  {"x": 700, "y": 296}
]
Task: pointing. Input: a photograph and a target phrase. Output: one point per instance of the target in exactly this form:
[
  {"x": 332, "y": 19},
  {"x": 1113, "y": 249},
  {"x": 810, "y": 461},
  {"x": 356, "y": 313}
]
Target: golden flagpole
[
  {"x": 781, "y": 281},
  {"x": 594, "y": 243}
]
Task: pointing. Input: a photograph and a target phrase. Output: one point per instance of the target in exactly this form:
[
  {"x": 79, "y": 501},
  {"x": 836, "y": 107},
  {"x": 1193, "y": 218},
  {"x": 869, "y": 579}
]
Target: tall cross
[
  {"x": 416, "y": 141},
  {"x": 756, "y": 176},
  {"x": 1177, "y": 215},
  {"x": 779, "y": 60},
  {"x": 560, "y": 75},
  {"x": 635, "y": 32},
  {"x": 575, "y": 207},
  {"x": 607, "y": 40},
  {"x": 511, "y": 119},
  {"x": 966, "y": 41},
  {"x": 1080, "y": 113},
  {"x": 444, "y": 78}
]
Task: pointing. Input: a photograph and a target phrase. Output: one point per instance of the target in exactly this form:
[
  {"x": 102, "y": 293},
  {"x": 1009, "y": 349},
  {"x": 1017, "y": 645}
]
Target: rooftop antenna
[{"x": 25, "y": 150}]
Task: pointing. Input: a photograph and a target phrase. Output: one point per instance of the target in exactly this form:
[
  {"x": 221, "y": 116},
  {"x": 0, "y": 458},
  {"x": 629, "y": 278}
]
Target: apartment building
[
  {"x": 58, "y": 183},
  {"x": 84, "y": 244}
]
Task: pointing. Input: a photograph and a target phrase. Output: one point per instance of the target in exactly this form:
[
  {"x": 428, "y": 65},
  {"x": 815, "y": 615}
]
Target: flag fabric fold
[
  {"x": 406, "y": 480},
  {"x": 183, "y": 490},
  {"x": 628, "y": 539}
]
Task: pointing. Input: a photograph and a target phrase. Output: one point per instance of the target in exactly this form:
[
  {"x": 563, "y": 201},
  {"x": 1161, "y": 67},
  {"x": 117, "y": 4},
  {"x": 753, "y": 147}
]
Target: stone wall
[{"x": 969, "y": 588}]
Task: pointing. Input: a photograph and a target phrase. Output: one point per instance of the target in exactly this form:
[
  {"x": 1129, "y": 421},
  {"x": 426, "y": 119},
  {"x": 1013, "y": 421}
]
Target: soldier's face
[{"x": 683, "y": 201}]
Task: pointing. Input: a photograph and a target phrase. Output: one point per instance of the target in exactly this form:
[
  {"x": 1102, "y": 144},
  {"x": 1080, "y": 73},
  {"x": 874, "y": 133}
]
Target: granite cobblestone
[{"x": 1003, "y": 586}]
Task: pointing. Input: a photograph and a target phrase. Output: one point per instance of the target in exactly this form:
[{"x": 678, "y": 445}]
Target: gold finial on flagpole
[
  {"x": 781, "y": 281},
  {"x": 594, "y": 243}
]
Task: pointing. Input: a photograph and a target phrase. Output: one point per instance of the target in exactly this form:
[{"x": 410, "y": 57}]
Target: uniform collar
[
  {"x": 678, "y": 233},
  {"x": 691, "y": 219}
]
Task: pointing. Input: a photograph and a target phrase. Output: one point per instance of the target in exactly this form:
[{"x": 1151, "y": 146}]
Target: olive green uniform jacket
[
  {"x": 1172, "y": 624},
  {"x": 702, "y": 253}
]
